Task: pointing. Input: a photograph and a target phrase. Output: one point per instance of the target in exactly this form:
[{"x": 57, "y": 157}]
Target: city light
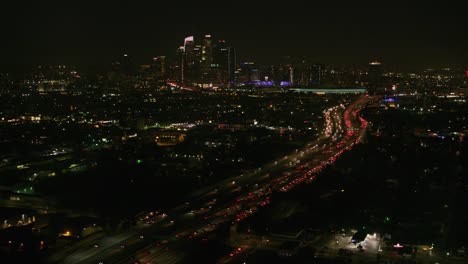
[{"x": 136, "y": 135}]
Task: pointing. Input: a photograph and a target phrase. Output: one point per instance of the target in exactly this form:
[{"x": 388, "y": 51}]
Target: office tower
[
  {"x": 180, "y": 54},
  {"x": 247, "y": 72},
  {"x": 283, "y": 74},
  {"x": 159, "y": 67},
  {"x": 197, "y": 54},
  {"x": 375, "y": 72},
  {"x": 192, "y": 57},
  {"x": 220, "y": 54},
  {"x": 189, "y": 50},
  {"x": 302, "y": 73},
  {"x": 220, "y": 61},
  {"x": 126, "y": 66},
  {"x": 232, "y": 65},
  {"x": 207, "y": 54},
  {"x": 317, "y": 74},
  {"x": 374, "y": 76}
]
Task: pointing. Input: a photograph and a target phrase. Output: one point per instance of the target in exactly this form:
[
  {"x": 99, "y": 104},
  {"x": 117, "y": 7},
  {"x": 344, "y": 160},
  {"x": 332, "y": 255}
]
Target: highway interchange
[{"x": 157, "y": 234}]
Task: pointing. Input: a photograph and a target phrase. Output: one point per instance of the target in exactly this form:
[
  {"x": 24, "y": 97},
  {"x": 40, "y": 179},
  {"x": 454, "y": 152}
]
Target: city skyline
[
  {"x": 233, "y": 132},
  {"x": 407, "y": 37}
]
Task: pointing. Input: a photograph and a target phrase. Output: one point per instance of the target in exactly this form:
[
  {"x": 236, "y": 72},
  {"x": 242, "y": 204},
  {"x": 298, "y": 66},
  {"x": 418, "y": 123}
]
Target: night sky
[{"x": 407, "y": 36}]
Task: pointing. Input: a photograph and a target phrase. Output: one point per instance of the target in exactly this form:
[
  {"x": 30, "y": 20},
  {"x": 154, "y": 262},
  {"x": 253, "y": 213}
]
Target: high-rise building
[
  {"x": 317, "y": 74},
  {"x": 197, "y": 54},
  {"x": 302, "y": 73},
  {"x": 274, "y": 73},
  {"x": 191, "y": 67},
  {"x": 189, "y": 50},
  {"x": 284, "y": 74},
  {"x": 207, "y": 54},
  {"x": 188, "y": 41},
  {"x": 374, "y": 76},
  {"x": 180, "y": 67},
  {"x": 159, "y": 67},
  {"x": 248, "y": 72},
  {"x": 127, "y": 66},
  {"x": 232, "y": 65},
  {"x": 220, "y": 54},
  {"x": 220, "y": 61},
  {"x": 123, "y": 68},
  {"x": 205, "y": 64}
]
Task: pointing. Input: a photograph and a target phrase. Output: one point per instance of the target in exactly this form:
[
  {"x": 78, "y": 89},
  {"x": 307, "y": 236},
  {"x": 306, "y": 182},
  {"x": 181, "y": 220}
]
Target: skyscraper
[
  {"x": 180, "y": 54},
  {"x": 232, "y": 64},
  {"x": 207, "y": 54},
  {"x": 192, "y": 58},
  {"x": 374, "y": 76},
  {"x": 302, "y": 73},
  {"x": 317, "y": 73},
  {"x": 189, "y": 50},
  {"x": 159, "y": 67},
  {"x": 127, "y": 66},
  {"x": 205, "y": 65},
  {"x": 220, "y": 61},
  {"x": 247, "y": 70}
]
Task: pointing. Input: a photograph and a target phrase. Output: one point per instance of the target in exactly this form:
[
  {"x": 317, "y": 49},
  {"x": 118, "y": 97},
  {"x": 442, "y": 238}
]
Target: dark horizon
[{"x": 409, "y": 37}]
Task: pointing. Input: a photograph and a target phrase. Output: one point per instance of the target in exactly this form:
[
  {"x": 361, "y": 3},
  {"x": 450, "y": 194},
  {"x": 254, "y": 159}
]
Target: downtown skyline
[
  {"x": 233, "y": 132},
  {"x": 410, "y": 37}
]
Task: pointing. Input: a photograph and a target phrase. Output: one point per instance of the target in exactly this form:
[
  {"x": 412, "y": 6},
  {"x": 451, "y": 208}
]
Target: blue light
[
  {"x": 390, "y": 99},
  {"x": 260, "y": 83}
]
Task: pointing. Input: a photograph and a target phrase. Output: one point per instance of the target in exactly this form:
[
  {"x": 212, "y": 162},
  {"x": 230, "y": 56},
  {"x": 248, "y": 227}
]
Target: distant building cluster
[
  {"x": 54, "y": 78},
  {"x": 204, "y": 62}
]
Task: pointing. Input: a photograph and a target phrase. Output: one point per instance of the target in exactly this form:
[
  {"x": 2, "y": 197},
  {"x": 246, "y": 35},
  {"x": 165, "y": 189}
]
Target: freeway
[{"x": 158, "y": 234}]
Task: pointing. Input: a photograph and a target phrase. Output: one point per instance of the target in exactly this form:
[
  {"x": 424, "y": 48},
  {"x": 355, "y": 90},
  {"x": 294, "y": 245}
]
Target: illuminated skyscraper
[
  {"x": 192, "y": 58},
  {"x": 188, "y": 41},
  {"x": 180, "y": 54},
  {"x": 189, "y": 49},
  {"x": 197, "y": 54},
  {"x": 206, "y": 64},
  {"x": 207, "y": 54}
]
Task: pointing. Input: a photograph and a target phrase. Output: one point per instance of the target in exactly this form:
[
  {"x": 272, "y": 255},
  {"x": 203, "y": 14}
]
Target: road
[{"x": 157, "y": 234}]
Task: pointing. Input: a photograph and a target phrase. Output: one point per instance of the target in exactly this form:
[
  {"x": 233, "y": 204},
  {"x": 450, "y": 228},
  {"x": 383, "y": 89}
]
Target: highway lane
[
  {"x": 354, "y": 130},
  {"x": 236, "y": 198},
  {"x": 225, "y": 186}
]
